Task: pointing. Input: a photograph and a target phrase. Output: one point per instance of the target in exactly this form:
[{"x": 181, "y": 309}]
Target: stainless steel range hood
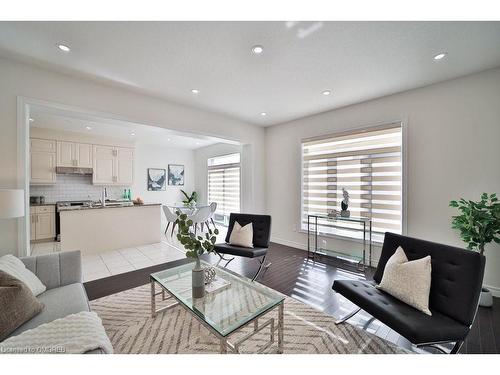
[{"x": 74, "y": 170}]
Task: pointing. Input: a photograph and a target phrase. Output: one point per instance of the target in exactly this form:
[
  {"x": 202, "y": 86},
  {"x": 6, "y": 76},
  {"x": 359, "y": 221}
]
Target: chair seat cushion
[
  {"x": 414, "y": 325},
  {"x": 58, "y": 303},
  {"x": 255, "y": 252}
]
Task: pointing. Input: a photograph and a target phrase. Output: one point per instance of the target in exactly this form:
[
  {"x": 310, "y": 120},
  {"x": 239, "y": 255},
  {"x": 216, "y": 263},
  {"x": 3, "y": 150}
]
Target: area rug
[{"x": 128, "y": 323}]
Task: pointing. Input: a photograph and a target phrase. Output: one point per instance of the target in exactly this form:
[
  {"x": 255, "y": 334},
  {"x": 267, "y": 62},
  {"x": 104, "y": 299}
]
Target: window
[
  {"x": 368, "y": 164},
  {"x": 224, "y": 185}
]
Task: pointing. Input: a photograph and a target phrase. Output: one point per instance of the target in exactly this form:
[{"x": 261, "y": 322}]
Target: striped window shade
[
  {"x": 224, "y": 185},
  {"x": 368, "y": 164}
]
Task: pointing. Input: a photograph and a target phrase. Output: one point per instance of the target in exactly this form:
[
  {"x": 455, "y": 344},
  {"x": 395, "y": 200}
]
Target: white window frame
[
  {"x": 404, "y": 174},
  {"x": 233, "y": 164}
]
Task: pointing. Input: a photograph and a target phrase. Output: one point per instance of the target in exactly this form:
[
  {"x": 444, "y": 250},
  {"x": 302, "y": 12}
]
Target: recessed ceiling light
[
  {"x": 132, "y": 134},
  {"x": 440, "y": 56},
  {"x": 197, "y": 143},
  {"x": 63, "y": 47},
  {"x": 327, "y": 92},
  {"x": 31, "y": 119},
  {"x": 263, "y": 113},
  {"x": 88, "y": 128},
  {"x": 257, "y": 49},
  {"x": 168, "y": 139},
  {"x": 195, "y": 91}
]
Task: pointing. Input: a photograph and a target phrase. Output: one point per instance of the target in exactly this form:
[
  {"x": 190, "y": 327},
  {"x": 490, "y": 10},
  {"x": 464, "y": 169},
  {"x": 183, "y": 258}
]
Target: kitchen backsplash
[{"x": 74, "y": 187}]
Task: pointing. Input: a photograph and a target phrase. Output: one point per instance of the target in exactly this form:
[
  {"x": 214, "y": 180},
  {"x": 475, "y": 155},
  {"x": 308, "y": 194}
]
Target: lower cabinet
[{"x": 43, "y": 222}]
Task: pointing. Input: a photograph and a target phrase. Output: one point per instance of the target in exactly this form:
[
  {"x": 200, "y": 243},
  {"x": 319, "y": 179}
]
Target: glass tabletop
[
  {"x": 358, "y": 219},
  {"x": 224, "y": 310}
]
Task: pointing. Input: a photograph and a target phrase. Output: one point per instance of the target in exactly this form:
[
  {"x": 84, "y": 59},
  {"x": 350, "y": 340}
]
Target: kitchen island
[{"x": 97, "y": 229}]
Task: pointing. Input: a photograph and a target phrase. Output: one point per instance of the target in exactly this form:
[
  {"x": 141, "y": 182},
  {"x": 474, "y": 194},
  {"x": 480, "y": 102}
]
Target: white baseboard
[
  {"x": 296, "y": 245},
  {"x": 494, "y": 290}
]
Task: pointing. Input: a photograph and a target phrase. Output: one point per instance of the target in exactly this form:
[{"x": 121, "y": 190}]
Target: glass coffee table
[{"x": 224, "y": 311}]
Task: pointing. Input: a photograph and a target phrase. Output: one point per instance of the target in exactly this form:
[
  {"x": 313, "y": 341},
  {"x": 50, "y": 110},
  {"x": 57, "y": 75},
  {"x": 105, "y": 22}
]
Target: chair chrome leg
[
  {"x": 213, "y": 223},
  {"x": 173, "y": 227},
  {"x": 202, "y": 224},
  {"x": 457, "y": 347},
  {"x": 223, "y": 259},
  {"x": 261, "y": 263},
  {"x": 168, "y": 224},
  {"x": 348, "y": 316}
]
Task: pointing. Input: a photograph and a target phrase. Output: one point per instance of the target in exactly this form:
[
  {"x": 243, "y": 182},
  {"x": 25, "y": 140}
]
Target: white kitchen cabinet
[
  {"x": 104, "y": 159},
  {"x": 42, "y": 162},
  {"x": 72, "y": 154},
  {"x": 113, "y": 165},
  {"x": 84, "y": 155},
  {"x": 124, "y": 166},
  {"x": 43, "y": 223}
]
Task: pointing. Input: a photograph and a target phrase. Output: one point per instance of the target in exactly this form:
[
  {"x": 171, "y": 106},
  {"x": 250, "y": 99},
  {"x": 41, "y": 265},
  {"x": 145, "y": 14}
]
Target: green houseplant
[
  {"x": 479, "y": 225},
  {"x": 195, "y": 246},
  {"x": 190, "y": 200}
]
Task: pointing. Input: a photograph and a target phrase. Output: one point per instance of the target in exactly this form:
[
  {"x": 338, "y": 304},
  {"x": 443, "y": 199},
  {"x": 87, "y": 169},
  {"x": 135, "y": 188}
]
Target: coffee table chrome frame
[{"x": 225, "y": 344}]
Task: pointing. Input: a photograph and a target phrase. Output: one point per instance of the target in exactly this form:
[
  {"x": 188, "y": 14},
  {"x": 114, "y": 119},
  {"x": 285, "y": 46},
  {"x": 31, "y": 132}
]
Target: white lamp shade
[{"x": 11, "y": 203}]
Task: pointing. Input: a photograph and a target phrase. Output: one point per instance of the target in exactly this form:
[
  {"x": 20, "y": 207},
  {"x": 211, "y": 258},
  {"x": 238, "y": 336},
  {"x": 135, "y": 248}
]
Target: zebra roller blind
[
  {"x": 224, "y": 185},
  {"x": 368, "y": 164}
]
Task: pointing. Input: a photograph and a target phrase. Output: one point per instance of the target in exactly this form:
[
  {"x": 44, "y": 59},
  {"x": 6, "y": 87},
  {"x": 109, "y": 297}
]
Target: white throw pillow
[
  {"x": 241, "y": 236},
  {"x": 409, "y": 282},
  {"x": 16, "y": 268}
]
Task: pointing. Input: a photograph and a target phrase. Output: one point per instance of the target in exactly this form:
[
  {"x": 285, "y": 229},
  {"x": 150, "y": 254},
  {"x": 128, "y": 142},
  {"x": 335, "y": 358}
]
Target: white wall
[
  {"x": 453, "y": 151},
  {"x": 147, "y": 156},
  {"x": 18, "y": 79}
]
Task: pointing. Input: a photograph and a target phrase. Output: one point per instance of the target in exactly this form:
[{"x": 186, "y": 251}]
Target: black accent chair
[
  {"x": 261, "y": 225},
  {"x": 457, "y": 277}
]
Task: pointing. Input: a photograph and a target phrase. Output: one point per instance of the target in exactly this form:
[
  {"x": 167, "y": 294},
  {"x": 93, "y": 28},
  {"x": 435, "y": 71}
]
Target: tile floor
[{"x": 97, "y": 266}]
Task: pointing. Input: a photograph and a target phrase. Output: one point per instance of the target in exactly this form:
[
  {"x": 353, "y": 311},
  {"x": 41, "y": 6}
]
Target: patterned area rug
[{"x": 128, "y": 323}]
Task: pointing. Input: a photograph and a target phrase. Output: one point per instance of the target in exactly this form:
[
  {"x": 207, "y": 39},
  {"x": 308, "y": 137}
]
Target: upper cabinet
[
  {"x": 71, "y": 154},
  {"x": 42, "y": 162},
  {"x": 113, "y": 165}
]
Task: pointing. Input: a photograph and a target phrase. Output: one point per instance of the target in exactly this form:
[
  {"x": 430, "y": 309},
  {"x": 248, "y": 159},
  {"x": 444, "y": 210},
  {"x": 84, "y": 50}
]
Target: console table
[{"x": 359, "y": 260}]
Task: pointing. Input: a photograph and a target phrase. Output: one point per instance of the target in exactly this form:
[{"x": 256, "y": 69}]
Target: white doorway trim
[{"x": 24, "y": 107}]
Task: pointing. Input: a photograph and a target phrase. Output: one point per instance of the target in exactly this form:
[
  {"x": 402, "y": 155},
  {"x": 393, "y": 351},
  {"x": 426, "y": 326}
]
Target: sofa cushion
[
  {"x": 15, "y": 267},
  {"x": 409, "y": 282},
  {"x": 58, "y": 303},
  {"x": 416, "y": 327},
  {"x": 17, "y": 304}
]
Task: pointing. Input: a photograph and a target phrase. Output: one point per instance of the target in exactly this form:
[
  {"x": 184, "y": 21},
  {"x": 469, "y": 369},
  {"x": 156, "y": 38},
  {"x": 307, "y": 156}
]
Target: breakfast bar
[{"x": 104, "y": 228}]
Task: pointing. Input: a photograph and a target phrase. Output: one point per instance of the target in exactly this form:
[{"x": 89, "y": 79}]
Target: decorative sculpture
[{"x": 345, "y": 204}]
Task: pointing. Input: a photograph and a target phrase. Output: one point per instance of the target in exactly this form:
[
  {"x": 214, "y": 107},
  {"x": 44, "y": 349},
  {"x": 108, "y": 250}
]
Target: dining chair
[
  {"x": 171, "y": 218},
  {"x": 201, "y": 217},
  {"x": 213, "y": 207}
]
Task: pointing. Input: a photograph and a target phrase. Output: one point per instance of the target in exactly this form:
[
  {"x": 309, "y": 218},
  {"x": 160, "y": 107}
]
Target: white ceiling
[
  {"x": 119, "y": 130},
  {"x": 357, "y": 60}
]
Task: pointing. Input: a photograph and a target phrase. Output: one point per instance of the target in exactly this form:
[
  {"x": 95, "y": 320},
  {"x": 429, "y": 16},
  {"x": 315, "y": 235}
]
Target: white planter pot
[{"x": 486, "y": 298}]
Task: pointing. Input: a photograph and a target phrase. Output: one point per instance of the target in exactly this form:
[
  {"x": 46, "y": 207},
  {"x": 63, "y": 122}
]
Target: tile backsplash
[{"x": 74, "y": 187}]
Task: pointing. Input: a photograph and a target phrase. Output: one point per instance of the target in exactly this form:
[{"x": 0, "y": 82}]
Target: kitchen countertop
[
  {"x": 42, "y": 204},
  {"x": 99, "y": 207}
]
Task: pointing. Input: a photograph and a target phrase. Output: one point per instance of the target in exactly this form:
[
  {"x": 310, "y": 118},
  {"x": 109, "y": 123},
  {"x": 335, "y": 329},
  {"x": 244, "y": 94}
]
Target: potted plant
[
  {"x": 190, "y": 200},
  {"x": 195, "y": 246},
  {"x": 479, "y": 224}
]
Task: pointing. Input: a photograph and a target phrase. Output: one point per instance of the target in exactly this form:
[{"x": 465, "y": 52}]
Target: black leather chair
[
  {"x": 457, "y": 277},
  {"x": 261, "y": 225}
]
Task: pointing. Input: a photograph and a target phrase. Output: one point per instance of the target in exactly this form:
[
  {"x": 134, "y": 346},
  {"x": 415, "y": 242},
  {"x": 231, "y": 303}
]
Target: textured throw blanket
[{"x": 73, "y": 334}]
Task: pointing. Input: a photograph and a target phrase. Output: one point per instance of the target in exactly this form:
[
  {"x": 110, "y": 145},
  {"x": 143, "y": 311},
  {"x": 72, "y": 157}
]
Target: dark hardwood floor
[{"x": 308, "y": 281}]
